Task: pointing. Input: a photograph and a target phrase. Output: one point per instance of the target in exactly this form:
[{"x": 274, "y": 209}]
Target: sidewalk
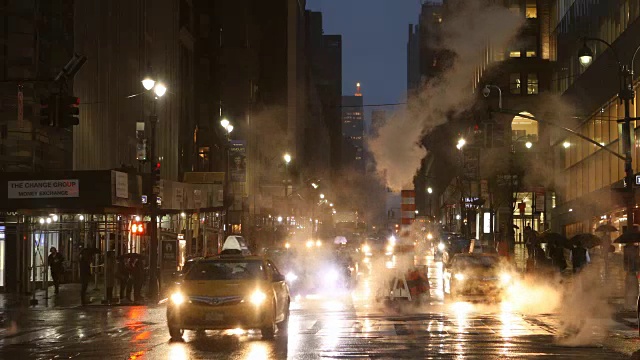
[{"x": 68, "y": 297}]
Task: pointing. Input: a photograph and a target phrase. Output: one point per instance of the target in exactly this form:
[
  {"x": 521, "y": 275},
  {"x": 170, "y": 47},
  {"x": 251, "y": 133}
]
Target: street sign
[
  {"x": 637, "y": 179},
  {"x": 144, "y": 199}
]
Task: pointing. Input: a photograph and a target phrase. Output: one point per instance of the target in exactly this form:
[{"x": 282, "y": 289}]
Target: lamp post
[
  {"x": 625, "y": 96},
  {"x": 287, "y": 159},
  {"x": 226, "y": 125},
  {"x": 157, "y": 90},
  {"x": 429, "y": 193}
]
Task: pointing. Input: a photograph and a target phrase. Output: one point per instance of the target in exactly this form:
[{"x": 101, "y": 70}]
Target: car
[
  {"x": 474, "y": 274},
  {"x": 230, "y": 291}
]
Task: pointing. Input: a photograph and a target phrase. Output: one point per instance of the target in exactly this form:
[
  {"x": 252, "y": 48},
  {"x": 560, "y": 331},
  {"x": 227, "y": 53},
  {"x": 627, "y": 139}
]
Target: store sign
[
  {"x": 43, "y": 189},
  {"x": 122, "y": 185}
]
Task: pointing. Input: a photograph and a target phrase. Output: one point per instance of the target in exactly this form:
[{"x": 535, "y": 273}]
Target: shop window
[
  {"x": 514, "y": 83},
  {"x": 532, "y": 84},
  {"x": 531, "y": 10}
]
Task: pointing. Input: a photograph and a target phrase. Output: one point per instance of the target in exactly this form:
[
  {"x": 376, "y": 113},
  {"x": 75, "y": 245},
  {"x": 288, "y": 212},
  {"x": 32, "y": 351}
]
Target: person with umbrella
[{"x": 579, "y": 257}]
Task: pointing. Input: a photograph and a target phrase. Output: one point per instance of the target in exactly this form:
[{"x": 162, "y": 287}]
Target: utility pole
[{"x": 153, "y": 210}]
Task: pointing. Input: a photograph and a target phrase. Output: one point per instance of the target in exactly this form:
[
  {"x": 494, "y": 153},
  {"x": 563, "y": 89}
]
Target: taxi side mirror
[{"x": 278, "y": 277}]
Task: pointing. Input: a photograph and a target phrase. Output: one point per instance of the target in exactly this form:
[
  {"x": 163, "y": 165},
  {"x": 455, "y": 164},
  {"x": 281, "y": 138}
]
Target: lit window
[
  {"x": 532, "y": 84},
  {"x": 531, "y": 54},
  {"x": 514, "y": 83},
  {"x": 531, "y": 9},
  {"x": 514, "y": 54}
]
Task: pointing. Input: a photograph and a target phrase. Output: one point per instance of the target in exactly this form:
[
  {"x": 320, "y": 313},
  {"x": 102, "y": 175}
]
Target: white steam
[{"x": 397, "y": 149}]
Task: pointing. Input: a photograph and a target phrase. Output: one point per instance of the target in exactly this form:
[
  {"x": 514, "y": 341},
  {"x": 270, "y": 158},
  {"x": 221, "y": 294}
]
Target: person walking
[
  {"x": 138, "y": 280},
  {"x": 110, "y": 274},
  {"x": 85, "y": 273},
  {"x": 56, "y": 264},
  {"x": 579, "y": 257}
]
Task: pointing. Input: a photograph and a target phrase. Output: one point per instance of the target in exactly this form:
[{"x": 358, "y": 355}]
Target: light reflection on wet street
[{"x": 323, "y": 326}]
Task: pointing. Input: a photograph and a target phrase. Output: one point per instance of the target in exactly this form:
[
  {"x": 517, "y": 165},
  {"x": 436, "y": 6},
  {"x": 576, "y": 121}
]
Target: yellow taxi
[{"x": 230, "y": 291}]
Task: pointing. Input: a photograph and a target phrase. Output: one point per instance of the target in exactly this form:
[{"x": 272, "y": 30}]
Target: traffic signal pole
[{"x": 153, "y": 212}]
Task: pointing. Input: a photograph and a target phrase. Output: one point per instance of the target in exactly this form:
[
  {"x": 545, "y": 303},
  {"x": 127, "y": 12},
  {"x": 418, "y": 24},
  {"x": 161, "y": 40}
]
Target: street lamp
[
  {"x": 528, "y": 144},
  {"x": 321, "y": 196},
  {"x": 430, "y": 190},
  {"x": 566, "y": 144},
  {"x": 159, "y": 89},
  {"x": 287, "y": 158},
  {"x": 225, "y": 123},
  {"x": 461, "y": 143}
]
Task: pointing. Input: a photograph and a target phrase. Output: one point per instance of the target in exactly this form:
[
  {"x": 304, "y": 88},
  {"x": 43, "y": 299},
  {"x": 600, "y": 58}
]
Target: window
[
  {"x": 531, "y": 53},
  {"x": 532, "y": 84},
  {"x": 531, "y": 10},
  {"x": 514, "y": 84},
  {"x": 514, "y": 54}
]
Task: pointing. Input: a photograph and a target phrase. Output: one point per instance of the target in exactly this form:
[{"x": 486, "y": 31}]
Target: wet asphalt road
[{"x": 347, "y": 326}]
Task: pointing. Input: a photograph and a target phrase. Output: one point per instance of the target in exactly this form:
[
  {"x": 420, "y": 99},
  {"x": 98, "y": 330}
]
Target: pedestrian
[
  {"x": 579, "y": 257},
  {"x": 138, "y": 280},
  {"x": 122, "y": 274},
  {"x": 556, "y": 253},
  {"x": 528, "y": 232},
  {"x": 110, "y": 274},
  {"x": 56, "y": 264},
  {"x": 85, "y": 273}
]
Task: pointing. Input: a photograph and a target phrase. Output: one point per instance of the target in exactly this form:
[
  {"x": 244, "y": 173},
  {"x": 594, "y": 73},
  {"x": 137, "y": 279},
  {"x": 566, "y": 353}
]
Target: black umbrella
[
  {"x": 587, "y": 240},
  {"x": 516, "y": 226},
  {"x": 605, "y": 228},
  {"x": 89, "y": 251},
  {"x": 628, "y": 238}
]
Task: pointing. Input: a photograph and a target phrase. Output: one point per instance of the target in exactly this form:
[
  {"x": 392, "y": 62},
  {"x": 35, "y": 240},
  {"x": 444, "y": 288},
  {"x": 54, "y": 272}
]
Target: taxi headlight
[
  {"x": 505, "y": 278},
  {"x": 429, "y": 236},
  {"x": 441, "y": 246},
  {"x": 177, "y": 298},
  {"x": 257, "y": 298},
  {"x": 366, "y": 248},
  {"x": 459, "y": 276}
]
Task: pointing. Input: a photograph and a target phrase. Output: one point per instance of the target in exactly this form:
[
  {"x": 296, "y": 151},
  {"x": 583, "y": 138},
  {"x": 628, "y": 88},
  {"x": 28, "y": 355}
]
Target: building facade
[
  {"x": 353, "y": 150},
  {"x": 589, "y": 179}
]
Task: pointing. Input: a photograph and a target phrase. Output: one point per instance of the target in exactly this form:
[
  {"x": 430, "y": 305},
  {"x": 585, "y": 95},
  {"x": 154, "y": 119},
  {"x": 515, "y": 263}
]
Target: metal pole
[
  {"x": 32, "y": 243},
  {"x": 153, "y": 228},
  {"x": 45, "y": 270}
]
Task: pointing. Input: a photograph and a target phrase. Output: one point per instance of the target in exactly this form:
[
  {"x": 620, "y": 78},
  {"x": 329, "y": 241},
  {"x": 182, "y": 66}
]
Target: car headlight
[
  {"x": 177, "y": 298},
  {"x": 505, "y": 278},
  {"x": 389, "y": 248},
  {"x": 258, "y": 297},
  {"x": 441, "y": 246},
  {"x": 366, "y": 260},
  {"x": 459, "y": 276},
  {"x": 429, "y": 236},
  {"x": 291, "y": 277},
  {"x": 366, "y": 248}
]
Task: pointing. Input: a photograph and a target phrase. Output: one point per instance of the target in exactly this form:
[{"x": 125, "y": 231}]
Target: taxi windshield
[
  {"x": 227, "y": 270},
  {"x": 477, "y": 262}
]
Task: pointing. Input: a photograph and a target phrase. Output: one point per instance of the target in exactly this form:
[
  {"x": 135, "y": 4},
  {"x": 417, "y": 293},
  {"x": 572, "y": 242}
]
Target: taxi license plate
[{"x": 214, "y": 317}]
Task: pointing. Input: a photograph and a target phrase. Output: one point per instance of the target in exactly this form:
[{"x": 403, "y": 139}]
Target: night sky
[{"x": 374, "y": 42}]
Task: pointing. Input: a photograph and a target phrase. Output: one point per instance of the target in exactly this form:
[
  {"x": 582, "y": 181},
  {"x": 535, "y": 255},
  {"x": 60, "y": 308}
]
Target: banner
[
  {"x": 238, "y": 161},
  {"x": 40, "y": 189}
]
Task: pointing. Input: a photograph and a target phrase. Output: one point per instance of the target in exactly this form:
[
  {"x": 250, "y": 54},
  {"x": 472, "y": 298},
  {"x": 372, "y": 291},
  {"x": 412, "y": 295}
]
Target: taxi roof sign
[{"x": 234, "y": 242}]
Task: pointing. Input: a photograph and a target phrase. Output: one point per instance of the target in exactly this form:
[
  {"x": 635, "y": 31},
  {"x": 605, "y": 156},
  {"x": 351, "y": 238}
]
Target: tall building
[
  {"x": 378, "y": 118},
  {"x": 588, "y": 179},
  {"x": 144, "y": 41},
  {"x": 38, "y": 38},
  {"x": 413, "y": 58},
  {"x": 353, "y": 151}
]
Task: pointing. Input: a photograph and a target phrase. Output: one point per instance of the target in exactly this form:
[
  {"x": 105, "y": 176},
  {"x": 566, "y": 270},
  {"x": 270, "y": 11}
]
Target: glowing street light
[
  {"x": 159, "y": 89},
  {"x": 287, "y": 158},
  {"x": 430, "y": 190},
  {"x": 224, "y": 123},
  {"x": 48, "y": 220},
  {"x": 528, "y": 144},
  {"x": 41, "y": 221},
  {"x": 331, "y": 205},
  {"x": 321, "y": 196},
  {"x": 461, "y": 143},
  {"x": 566, "y": 144},
  {"x": 148, "y": 83},
  {"x": 315, "y": 186}
]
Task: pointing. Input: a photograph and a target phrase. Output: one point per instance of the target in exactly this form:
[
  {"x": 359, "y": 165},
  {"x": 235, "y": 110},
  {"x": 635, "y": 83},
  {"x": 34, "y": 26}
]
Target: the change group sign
[{"x": 40, "y": 189}]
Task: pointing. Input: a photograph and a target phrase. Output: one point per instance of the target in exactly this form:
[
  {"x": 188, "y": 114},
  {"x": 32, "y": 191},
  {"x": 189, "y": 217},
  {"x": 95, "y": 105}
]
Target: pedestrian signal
[{"x": 138, "y": 228}]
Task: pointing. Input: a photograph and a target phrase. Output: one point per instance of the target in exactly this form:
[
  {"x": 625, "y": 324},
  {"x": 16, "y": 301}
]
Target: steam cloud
[{"x": 397, "y": 149}]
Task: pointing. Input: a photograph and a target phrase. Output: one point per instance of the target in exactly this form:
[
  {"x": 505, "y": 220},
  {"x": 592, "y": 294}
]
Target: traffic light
[
  {"x": 156, "y": 174},
  {"x": 138, "y": 228},
  {"x": 68, "y": 111},
  {"x": 48, "y": 112}
]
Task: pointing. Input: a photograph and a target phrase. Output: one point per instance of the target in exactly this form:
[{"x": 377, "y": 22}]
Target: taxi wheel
[
  {"x": 284, "y": 325},
  {"x": 269, "y": 331},
  {"x": 175, "y": 333}
]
